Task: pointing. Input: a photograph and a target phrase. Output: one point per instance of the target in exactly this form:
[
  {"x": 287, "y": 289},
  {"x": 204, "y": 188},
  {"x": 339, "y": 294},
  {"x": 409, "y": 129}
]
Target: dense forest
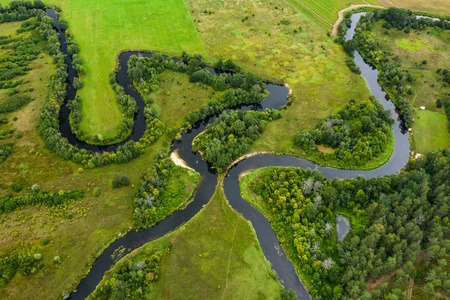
[
  {"x": 397, "y": 221},
  {"x": 357, "y": 133},
  {"x": 231, "y": 134}
]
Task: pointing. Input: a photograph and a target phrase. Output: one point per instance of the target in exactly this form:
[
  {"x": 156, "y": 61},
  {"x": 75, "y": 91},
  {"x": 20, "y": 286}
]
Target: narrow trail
[
  {"x": 410, "y": 287},
  {"x": 315, "y": 12},
  {"x": 341, "y": 15}
]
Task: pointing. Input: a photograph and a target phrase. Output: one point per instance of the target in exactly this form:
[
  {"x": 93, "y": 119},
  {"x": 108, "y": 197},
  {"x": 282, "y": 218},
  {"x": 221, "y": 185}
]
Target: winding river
[{"x": 269, "y": 243}]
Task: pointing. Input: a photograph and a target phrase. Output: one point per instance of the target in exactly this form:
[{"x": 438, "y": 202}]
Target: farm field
[{"x": 324, "y": 14}]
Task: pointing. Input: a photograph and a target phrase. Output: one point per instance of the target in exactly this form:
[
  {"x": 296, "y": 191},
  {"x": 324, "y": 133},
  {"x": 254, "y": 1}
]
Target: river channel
[{"x": 269, "y": 243}]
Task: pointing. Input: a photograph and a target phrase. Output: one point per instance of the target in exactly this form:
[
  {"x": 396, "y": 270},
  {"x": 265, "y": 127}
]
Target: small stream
[{"x": 269, "y": 243}]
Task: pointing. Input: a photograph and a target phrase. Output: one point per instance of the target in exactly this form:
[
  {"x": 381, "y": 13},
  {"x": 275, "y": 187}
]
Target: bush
[
  {"x": 439, "y": 103},
  {"x": 16, "y": 187},
  {"x": 5, "y": 150},
  {"x": 36, "y": 188},
  {"x": 97, "y": 192},
  {"x": 45, "y": 241},
  {"x": 57, "y": 260},
  {"x": 119, "y": 181},
  {"x": 37, "y": 256}
]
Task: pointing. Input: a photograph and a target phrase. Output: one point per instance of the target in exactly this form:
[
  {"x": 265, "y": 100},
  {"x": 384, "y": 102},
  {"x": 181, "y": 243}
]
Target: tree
[{"x": 77, "y": 83}]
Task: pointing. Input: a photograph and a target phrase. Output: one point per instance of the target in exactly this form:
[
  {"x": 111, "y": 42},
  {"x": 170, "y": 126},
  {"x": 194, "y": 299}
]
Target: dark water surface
[{"x": 266, "y": 236}]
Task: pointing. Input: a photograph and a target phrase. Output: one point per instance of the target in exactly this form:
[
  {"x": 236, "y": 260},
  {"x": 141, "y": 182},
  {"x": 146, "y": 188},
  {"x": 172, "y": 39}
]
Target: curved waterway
[{"x": 266, "y": 236}]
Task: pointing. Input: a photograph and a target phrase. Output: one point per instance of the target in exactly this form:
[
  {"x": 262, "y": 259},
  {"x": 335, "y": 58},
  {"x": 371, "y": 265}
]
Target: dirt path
[
  {"x": 314, "y": 12},
  {"x": 342, "y": 11},
  {"x": 410, "y": 287}
]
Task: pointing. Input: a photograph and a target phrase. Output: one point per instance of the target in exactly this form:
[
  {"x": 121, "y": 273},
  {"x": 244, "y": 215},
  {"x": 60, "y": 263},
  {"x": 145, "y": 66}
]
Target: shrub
[
  {"x": 56, "y": 259},
  {"x": 37, "y": 256},
  {"x": 119, "y": 181},
  {"x": 14, "y": 102},
  {"x": 36, "y": 188},
  {"x": 97, "y": 192},
  {"x": 16, "y": 187},
  {"x": 439, "y": 103},
  {"x": 45, "y": 241}
]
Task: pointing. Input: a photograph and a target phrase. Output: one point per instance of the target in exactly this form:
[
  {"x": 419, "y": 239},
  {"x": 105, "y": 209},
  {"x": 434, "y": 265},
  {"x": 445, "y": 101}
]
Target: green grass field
[
  {"x": 102, "y": 29},
  {"x": 431, "y": 131},
  {"x": 177, "y": 94},
  {"x": 214, "y": 256}
]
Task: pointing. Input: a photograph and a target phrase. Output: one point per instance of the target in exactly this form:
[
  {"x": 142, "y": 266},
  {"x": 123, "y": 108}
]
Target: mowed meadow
[{"x": 103, "y": 29}]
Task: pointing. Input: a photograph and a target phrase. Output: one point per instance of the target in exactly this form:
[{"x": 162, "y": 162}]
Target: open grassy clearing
[
  {"x": 214, "y": 256},
  {"x": 177, "y": 94},
  {"x": 103, "y": 29},
  {"x": 433, "y": 6},
  {"x": 432, "y": 45},
  {"x": 431, "y": 131},
  {"x": 9, "y": 28},
  {"x": 309, "y": 60}
]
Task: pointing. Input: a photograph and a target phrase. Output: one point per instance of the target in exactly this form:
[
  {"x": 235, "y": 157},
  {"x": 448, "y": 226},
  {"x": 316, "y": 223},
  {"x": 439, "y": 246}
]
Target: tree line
[{"x": 394, "y": 219}]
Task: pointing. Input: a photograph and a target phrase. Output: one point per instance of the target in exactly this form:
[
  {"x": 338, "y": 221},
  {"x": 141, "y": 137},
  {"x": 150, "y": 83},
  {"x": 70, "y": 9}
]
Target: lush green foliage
[
  {"x": 231, "y": 134},
  {"x": 405, "y": 20},
  {"x": 19, "y": 10},
  {"x": 133, "y": 279},
  {"x": 145, "y": 73},
  {"x": 13, "y": 103},
  {"x": 16, "y": 187},
  {"x": 24, "y": 262},
  {"x": 398, "y": 216},
  {"x": 5, "y": 150},
  {"x": 357, "y": 132},
  {"x": 119, "y": 181},
  {"x": 9, "y": 203},
  {"x": 152, "y": 201}
]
